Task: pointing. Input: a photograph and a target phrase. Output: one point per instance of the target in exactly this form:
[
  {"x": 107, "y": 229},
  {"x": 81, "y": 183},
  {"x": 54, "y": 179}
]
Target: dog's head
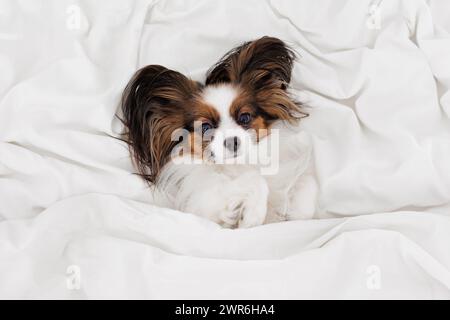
[{"x": 244, "y": 94}]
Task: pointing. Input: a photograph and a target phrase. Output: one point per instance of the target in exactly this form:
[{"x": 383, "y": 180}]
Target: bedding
[{"x": 76, "y": 223}]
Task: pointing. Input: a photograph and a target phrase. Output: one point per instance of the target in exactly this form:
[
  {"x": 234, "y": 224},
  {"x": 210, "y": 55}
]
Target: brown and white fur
[{"x": 244, "y": 98}]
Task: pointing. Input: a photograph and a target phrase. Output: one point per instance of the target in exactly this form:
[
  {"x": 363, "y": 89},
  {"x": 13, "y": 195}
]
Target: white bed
[{"x": 76, "y": 223}]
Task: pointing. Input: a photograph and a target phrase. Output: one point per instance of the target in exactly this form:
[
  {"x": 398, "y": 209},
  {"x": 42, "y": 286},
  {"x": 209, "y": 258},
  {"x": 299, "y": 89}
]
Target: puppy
[{"x": 204, "y": 147}]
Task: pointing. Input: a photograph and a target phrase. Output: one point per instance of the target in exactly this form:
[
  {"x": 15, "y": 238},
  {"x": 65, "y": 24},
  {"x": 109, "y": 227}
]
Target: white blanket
[{"x": 76, "y": 223}]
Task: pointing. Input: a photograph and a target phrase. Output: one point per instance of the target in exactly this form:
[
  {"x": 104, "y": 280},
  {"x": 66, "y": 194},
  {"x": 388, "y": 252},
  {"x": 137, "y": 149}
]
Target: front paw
[
  {"x": 232, "y": 214},
  {"x": 246, "y": 209}
]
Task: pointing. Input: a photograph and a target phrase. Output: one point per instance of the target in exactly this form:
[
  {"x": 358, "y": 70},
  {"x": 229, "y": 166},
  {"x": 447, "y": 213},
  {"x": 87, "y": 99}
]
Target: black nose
[{"x": 232, "y": 143}]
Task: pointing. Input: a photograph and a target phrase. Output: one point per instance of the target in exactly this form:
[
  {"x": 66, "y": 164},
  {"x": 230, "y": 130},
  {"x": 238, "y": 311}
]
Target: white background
[{"x": 76, "y": 223}]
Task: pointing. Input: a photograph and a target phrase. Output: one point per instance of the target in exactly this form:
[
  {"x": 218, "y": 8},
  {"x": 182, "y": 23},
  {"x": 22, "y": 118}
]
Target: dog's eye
[
  {"x": 245, "y": 118},
  {"x": 206, "y": 126}
]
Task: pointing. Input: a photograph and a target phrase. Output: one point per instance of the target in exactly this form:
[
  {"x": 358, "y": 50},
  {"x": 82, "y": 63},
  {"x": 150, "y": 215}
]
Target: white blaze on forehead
[{"x": 220, "y": 97}]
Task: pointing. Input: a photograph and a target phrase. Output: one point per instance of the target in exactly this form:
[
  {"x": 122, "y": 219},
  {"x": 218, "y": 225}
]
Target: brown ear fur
[
  {"x": 262, "y": 67},
  {"x": 153, "y": 107}
]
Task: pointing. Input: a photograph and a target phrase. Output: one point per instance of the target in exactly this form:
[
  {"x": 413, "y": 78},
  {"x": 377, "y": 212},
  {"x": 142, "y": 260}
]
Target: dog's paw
[
  {"x": 232, "y": 214},
  {"x": 254, "y": 213},
  {"x": 246, "y": 208}
]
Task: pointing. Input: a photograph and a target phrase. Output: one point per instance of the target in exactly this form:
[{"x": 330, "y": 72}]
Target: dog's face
[{"x": 244, "y": 94}]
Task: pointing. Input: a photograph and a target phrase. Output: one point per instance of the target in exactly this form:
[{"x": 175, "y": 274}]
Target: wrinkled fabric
[{"x": 75, "y": 222}]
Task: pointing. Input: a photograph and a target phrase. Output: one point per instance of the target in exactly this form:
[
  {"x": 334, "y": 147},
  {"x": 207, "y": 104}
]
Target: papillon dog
[{"x": 229, "y": 150}]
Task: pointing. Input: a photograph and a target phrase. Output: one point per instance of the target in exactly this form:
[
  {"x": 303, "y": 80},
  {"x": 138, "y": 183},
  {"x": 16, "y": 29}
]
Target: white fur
[
  {"x": 238, "y": 195},
  {"x": 221, "y": 98}
]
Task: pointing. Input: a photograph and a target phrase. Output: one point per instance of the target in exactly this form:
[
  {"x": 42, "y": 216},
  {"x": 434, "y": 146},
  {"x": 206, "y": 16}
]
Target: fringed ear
[
  {"x": 262, "y": 67},
  {"x": 255, "y": 63},
  {"x": 153, "y": 108}
]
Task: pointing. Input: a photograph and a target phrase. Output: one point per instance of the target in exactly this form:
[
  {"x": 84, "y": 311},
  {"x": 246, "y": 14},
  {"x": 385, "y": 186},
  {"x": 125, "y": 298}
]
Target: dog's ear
[
  {"x": 266, "y": 61},
  {"x": 262, "y": 67},
  {"x": 153, "y": 106}
]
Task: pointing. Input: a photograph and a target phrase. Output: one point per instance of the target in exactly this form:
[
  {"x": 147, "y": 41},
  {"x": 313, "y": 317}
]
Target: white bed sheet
[{"x": 379, "y": 102}]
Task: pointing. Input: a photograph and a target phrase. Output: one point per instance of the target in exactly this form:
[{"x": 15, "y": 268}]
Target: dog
[{"x": 192, "y": 142}]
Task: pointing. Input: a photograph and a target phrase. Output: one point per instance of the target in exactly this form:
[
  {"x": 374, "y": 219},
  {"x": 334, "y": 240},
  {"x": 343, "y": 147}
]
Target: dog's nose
[{"x": 232, "y": 143}]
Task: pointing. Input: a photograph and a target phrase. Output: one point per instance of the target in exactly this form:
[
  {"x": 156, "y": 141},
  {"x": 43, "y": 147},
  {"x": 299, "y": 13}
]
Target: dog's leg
[
  {"x": 247, "y": 201},
  {"x": 303, "y": 198},
  {"x": 233, "y": 202}
]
